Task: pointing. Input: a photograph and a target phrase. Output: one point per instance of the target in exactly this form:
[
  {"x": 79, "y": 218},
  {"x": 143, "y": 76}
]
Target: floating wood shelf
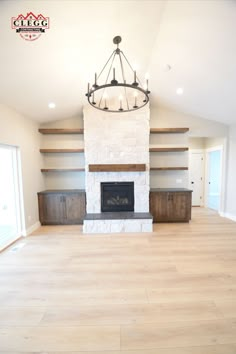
[
  {"x": 117, "y": 168},
  {"x": 168, "y": 130},
  {"x": 168, "y": 168},
  {"x": 62, "y": 169},
  {"x": 167, "y": 149},
  {"x": 62, "y": 150},
  {"x": 61, "y": 131}
]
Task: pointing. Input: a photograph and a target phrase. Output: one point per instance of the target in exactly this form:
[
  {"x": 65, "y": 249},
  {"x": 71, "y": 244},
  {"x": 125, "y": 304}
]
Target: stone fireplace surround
[{"x": 117, "y": 138}]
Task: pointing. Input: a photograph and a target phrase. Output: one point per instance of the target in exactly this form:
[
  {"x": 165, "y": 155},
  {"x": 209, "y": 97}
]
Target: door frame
[
  {"x": 222, "y": 150},
  {"x": 199, "y": 151}
]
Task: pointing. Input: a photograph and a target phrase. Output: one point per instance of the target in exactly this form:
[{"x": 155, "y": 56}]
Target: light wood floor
[{"x": 169, "y": 292}]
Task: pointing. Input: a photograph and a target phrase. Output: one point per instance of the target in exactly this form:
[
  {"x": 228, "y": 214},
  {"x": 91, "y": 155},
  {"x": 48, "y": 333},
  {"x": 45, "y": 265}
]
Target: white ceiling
[{"x": 197, "y": 38}]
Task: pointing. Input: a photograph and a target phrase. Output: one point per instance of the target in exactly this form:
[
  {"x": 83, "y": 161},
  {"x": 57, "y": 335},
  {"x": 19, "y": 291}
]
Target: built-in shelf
[
  {"x": 168, "y": 168},
  {"x": 61, "y": 131},
  {"x": 61, "y": 150},
  {"x": 167, "y": 149},
  {"x": 62, "y": 169},
  {"x": 117, "y": 168},
  {"x": 168, "y": 130}
]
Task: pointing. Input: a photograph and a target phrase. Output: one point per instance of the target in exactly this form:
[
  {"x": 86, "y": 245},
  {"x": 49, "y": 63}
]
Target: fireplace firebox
[{"x": 117, "y": 196}]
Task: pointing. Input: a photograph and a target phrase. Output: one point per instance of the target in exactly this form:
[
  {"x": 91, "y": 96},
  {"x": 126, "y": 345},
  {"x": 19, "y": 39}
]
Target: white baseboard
[
  {"x": 32, "y": 228},
  {"x": 228, "y": 216}
]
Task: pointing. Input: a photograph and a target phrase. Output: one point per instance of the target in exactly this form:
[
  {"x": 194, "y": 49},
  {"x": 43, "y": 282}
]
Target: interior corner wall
[
  {"x": 21, "y": 132},
  {"x": 230, "y": 205},
  {"x": 213, "y": 142}
]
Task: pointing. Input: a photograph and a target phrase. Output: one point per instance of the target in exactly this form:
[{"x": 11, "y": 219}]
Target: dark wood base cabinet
[
  {"x": 170, "y": 205},
  {"x": 62, "y": 207}
]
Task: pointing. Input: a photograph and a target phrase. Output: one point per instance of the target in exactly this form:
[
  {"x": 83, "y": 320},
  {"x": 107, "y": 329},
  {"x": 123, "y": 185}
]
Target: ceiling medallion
[{"x": 115, "y": 94}]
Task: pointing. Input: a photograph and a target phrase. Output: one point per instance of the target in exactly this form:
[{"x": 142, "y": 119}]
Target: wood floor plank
[
  {"x": 178, "y": 334},
  {"x": 21, "y": 316},
  {"x": 196, "y": 293},
  {"x": 129, "y": 313},
  {"x": 227, "y": 307},
  {"x": 77, "y": 297},
  {"x": 209, "y": 349},
  {"x": 59, "y": 339}
]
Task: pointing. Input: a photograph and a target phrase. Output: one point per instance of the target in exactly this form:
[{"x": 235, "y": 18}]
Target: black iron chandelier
[{"x": 116, "y": 94}]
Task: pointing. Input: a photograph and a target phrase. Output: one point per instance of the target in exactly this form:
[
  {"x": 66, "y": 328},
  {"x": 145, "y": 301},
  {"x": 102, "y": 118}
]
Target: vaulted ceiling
[{"x": 195, "y": 38}]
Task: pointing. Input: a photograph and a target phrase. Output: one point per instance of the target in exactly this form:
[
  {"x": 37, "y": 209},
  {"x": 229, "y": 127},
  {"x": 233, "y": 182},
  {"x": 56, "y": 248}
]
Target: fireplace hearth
[{"x": 117, "y": 196}]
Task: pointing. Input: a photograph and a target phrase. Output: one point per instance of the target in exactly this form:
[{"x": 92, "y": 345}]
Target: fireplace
[{"x": 117, "y": 196}]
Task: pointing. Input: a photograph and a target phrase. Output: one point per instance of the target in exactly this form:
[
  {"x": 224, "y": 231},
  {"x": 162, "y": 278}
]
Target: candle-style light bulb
[
  {"x": 135, "y": 83},
  {"x": 114, "y": 81},
  {"x": 93, "y": 100},
  {"x": 105, "y": 96},
  {"x": 135, "y": 99},
  {"x": 95, "y": 85},
  {"x": 120, "y": 99}
]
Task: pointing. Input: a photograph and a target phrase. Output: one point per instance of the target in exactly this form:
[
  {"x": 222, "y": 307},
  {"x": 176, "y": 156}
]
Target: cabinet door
[
  {"x": 50, "y": 209},
  {"x": 179, "y": 206},
  {"x": 74, "y": 208},
  {"x": 158, "y": 206}
]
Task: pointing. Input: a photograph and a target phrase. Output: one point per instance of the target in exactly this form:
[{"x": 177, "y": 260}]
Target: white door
[
  {"x": 214, "y": 178},
  {"x": 196, "y": 177},
  {"x": 10, "y": 219}
]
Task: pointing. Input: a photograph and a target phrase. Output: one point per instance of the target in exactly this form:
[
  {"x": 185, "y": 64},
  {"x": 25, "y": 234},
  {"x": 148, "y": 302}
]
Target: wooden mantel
[{"x": 117, "y": 167}]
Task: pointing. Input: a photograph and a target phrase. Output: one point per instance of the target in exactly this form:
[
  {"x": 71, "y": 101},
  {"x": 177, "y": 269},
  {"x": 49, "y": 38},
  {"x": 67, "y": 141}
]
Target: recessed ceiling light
[
  {"x": 180, "y": 91},
  {"x": 51, "y": 105}
]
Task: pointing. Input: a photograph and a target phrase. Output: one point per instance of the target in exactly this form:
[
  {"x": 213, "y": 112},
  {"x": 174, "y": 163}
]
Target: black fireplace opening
[{"x": 117, "y": 196}]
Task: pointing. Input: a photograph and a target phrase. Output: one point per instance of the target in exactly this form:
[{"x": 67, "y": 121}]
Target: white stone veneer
[
  {"x": 114, "y": 226},
  {"x": 116, "y": 138}
]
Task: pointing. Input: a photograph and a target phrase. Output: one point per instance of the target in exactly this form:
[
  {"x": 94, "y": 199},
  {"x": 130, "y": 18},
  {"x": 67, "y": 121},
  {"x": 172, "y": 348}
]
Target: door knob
[{"x": 192, "y": 182}]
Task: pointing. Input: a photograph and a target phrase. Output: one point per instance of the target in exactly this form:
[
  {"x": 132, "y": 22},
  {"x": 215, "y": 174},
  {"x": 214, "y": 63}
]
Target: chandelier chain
[{"x": 114, "y": 54}]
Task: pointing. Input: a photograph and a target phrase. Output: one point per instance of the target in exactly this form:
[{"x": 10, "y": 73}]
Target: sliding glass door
[{"x": 10, "y": 216}]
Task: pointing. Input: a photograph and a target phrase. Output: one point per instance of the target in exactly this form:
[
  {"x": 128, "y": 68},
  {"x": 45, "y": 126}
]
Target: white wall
[
  {"x": 230, "y": 204},
  {"x": 196, "y": 143},
  {"x": 199, "y": 127},
  {"x": 21, "y": 132},
  {"x": 64, "y": 180},
  {"x": 72, "y": 123},
  {"x": 213, "y": 142}
]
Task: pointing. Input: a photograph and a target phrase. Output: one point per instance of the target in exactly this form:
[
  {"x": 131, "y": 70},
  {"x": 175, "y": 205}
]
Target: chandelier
[{"x": 120, "y": 91}]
